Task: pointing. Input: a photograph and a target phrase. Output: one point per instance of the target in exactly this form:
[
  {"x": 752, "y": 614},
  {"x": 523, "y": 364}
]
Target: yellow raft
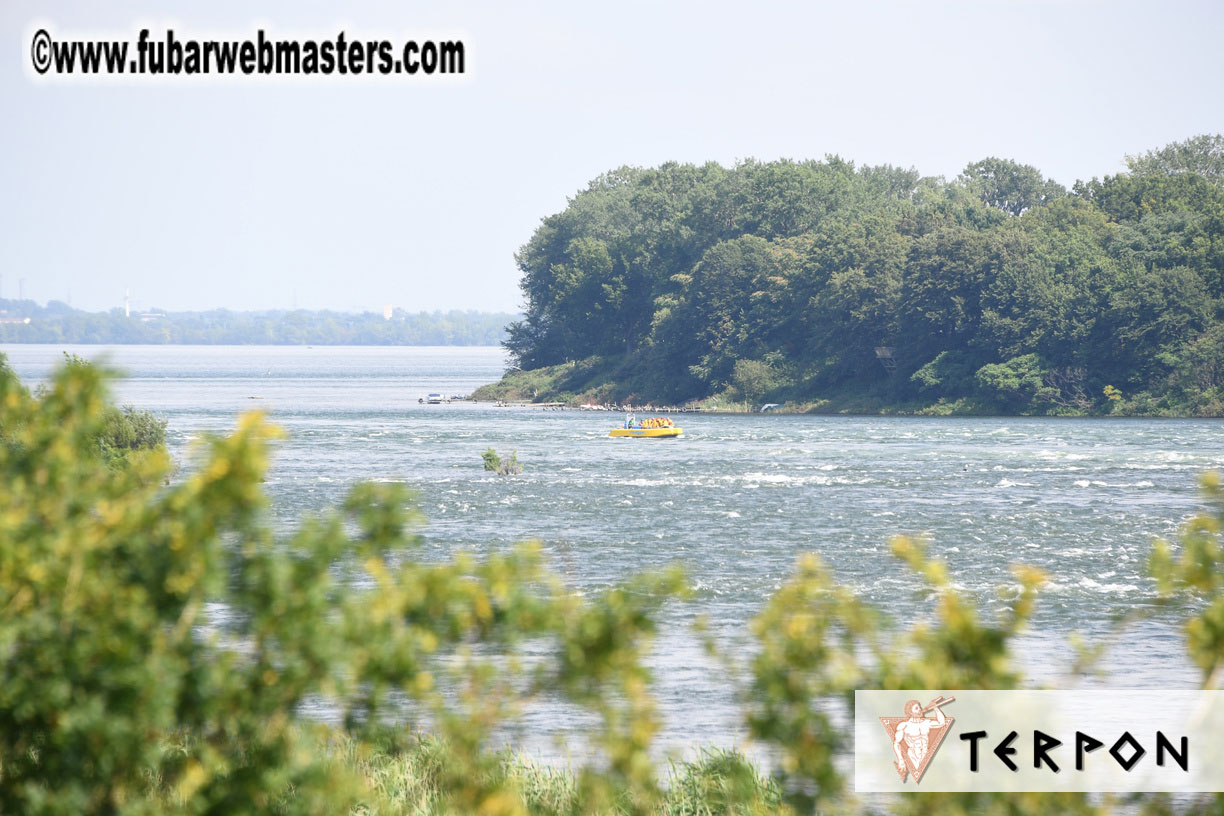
[
  {"x": 647, "y": 433},
  {"x": 653, "y": 428}
]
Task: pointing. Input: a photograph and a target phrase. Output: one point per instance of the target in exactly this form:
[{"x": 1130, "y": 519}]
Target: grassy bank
[
  {"x": 413, "y": 779},
  {"x": 606, "y": 382},
  {"x": 415, "y": 775}
]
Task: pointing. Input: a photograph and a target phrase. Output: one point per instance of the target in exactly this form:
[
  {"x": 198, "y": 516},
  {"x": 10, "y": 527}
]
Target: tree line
[
  {"x": 59, "y": 323},
  {"x": 999, "y": 290}
]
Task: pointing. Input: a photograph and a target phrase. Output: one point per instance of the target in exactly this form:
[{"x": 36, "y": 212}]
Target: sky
[{"x": 345, "y": 194}]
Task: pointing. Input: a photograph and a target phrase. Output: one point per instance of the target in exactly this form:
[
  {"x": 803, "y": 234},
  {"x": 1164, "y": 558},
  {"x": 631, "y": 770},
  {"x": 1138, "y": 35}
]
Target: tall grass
[{"x": 407, "y": 780}]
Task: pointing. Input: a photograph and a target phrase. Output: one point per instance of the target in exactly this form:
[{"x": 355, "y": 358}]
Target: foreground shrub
[{"x": 123, "y": 691}]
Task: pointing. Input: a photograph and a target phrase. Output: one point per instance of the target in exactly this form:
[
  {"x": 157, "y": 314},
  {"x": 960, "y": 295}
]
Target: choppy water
[{"x": 735, "y": 500}]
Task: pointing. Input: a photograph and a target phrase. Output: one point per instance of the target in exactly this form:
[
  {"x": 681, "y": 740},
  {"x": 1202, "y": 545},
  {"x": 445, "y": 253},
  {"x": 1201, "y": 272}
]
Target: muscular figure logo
[{"x": 916, "y": 737}]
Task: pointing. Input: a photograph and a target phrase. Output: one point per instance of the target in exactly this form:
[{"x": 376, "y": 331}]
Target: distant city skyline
[{"x": 351, "y": 195}]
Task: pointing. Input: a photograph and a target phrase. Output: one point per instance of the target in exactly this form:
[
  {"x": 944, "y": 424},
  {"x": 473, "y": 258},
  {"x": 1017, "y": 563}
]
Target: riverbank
[{"x": 597, "y": 383}]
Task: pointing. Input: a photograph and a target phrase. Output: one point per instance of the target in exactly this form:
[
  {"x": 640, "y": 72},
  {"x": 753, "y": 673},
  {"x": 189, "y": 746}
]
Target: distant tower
[
  {"x": 388, "y": 310},
  {"x": 127, "y": 302}
]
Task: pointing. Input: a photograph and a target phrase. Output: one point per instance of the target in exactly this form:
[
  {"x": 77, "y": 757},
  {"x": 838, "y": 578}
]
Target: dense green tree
[
  {"x": 1151, "y": 317},
  {"x": 754, "y": 378},
  {"x": 949, "y": 375},
  {"x": 664, "y": 278},
  {"x": 947, "y": 272},
  {"x": 1013, "y": 383},
  {"x": 737, "y": 284},
  {"x": 129, "y": 432},
  {"x": 1008, "y": 186},
  {"x": 1202, "y": 155},
  {"x": 851, "y": 291}
]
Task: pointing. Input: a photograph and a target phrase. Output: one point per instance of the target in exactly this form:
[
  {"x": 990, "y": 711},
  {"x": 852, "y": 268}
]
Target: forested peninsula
[
  {"x": 830, "y": 287},
  {"x": 23, "y": 321}
]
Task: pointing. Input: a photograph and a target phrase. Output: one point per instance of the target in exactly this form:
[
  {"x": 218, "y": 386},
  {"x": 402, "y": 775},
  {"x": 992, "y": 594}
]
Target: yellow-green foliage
[
  {"x": 119, "y": 694},
  {"x": 1198, "y": 571},
  {"x": 502, "y": 467},
  {"x": 820, "y": 643}
]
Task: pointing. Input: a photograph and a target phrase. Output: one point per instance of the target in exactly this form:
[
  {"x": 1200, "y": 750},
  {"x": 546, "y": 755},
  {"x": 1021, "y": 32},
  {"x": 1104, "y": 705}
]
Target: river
[{"x": 735, "y": 500}]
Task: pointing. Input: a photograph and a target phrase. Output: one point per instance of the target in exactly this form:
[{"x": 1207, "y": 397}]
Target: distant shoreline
[
  {"x": 110, "y": 343},
  {"x": 25, "y": 322}
]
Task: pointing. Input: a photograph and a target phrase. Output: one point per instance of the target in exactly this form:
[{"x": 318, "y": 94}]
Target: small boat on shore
[{"x": 652, "y": 428}]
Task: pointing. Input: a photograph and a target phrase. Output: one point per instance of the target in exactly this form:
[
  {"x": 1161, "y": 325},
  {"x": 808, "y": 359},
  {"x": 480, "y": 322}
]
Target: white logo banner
[{"x": 1107, "y": 740}]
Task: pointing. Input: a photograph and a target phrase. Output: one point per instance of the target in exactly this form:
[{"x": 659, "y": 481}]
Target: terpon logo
[
  {"x": 1097, "y": 740},
  {"x": 916, "y": 737}
]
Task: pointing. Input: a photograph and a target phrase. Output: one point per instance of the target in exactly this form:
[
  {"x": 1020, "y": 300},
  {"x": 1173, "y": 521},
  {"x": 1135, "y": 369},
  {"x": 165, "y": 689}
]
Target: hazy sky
[{"x": 338, "y": 194}]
